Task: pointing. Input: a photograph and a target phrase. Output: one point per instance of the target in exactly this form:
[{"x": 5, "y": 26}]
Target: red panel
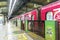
[
  {"x": 49, "y": 7},
  {"x": 29, "y": 14}
]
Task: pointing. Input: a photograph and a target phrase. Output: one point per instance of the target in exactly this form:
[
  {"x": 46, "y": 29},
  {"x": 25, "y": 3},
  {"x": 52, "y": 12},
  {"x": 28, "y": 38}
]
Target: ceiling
[{"x": 29, "y": 6}]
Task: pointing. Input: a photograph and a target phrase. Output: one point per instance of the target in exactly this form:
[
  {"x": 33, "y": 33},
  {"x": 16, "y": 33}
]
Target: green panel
[
  {"x": 50, "y": 30},
  {"x": 26, "y": 25},
  {"x": 20, "y": 24}
]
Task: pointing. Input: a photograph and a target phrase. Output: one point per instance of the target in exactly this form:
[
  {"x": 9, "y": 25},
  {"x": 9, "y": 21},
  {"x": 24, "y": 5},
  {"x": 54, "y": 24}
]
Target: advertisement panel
[{"x": 50, "y": 32}]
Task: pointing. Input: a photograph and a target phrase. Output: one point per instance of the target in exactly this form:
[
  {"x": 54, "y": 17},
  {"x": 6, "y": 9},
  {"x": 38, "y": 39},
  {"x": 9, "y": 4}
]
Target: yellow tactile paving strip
[
  {"x": 32, "y": 35},
  {"x": 35, "y": 37}
]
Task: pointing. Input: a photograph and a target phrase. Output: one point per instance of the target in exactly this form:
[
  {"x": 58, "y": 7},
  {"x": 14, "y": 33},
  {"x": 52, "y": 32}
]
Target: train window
[
  {"x": 32, "y": 17},
  {"x": 49, "y": 16}
]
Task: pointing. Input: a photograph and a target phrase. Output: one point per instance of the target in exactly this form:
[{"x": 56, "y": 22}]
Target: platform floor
[
  {"x": 35, "y": 36},
  {"x": 11, "y": 32},
  {"x": 32, "y": 35}
]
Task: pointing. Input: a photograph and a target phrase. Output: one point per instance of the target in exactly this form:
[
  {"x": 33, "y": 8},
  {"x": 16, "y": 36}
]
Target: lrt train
[
  {"x": 35, "y": 20},
  {"x": 33, "y": 24}
]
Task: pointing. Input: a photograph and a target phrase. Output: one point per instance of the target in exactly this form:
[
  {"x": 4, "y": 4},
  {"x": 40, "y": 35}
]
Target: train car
[
  {"x": 34, "y": 24},
  {"x": 29, "y": 16},
  {"x": 30, "y": 22}
]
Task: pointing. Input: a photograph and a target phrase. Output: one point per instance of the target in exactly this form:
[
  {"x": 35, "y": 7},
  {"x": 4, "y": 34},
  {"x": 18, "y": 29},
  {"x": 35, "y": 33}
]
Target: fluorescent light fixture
[
  {"x": 12, "y": 8},
  {"x": 10, "y": 4}
]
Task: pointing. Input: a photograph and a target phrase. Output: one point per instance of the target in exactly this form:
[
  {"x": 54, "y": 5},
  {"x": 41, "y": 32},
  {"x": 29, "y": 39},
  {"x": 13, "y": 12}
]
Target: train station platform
[
  {"x": 29, "y": 35},
  {"x": 15, "y": 33}
]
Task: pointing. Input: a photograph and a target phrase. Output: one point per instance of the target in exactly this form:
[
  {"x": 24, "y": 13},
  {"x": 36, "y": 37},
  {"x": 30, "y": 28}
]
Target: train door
[
  {"x": 22, "y": 22},
  {"x": 34, "y": 20},
  {"x": 41, "y": 28},
  {"x": 35, "y": 25},
  {"x": 32, "y": 23},
  {"x": 28, "y": 21},
  {"x": 41, "y": 24},
  {"x": 15, "y": 22},
  {"x": 29, "y": 25},
  {"x": 22, "y": 27}
]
